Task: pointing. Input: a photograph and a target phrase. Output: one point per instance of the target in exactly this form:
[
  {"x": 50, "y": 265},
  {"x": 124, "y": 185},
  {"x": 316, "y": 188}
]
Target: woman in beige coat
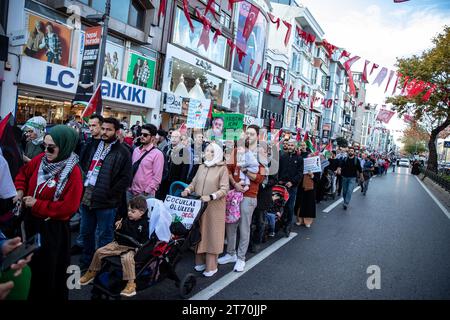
[{"x": 212, "y": 184}]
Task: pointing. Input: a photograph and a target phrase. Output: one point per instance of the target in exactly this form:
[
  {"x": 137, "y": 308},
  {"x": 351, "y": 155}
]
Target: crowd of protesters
[{"x": 99, "y": 174}]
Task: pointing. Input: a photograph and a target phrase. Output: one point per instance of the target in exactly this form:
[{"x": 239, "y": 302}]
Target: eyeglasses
[
  {"x": 145, "y": 135},
  {"x": 50, "y": 149},
  {"x": 29, "y": 131}
]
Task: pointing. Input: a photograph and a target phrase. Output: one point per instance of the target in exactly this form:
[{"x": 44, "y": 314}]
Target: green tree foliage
[{"x": 431, "y": 66}]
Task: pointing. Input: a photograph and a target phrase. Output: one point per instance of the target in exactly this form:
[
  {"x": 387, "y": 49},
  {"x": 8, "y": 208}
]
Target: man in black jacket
[
  {"x": 178, "y": 162},
  {"x": 289, "y": 175},
  {"x": 106, "y": 164}
]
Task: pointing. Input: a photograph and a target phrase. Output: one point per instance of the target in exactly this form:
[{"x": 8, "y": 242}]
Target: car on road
[{"x": 404, "y": 162}]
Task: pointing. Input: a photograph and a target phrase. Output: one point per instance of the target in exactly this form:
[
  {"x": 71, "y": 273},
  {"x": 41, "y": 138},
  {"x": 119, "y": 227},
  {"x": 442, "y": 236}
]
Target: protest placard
[
  {"x": 311, "y": 165},
  {"x": 183, "y": 209}
]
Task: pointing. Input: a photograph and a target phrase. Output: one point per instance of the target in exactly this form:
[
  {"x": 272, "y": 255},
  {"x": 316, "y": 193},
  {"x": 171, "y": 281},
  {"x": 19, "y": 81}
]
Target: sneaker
[
  {"x": 239, "y": 266},
  {"x": 308, "y": 225},
  {"x": 272, "y": 234},
  {"x": 210, "y": 273},
  {"x": 227, "y": 259},
  {"x": 200, "y": 267},
  {"x": 87, "y": 278},
  {"x": 345, "y": 207},
  {"x": 130, "y": 289}
]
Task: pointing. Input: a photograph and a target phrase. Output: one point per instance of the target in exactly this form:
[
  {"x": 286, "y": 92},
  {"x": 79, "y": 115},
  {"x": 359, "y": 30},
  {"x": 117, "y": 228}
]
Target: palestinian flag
[
  {"x": 93, "y": 105},
  {"x": 9, "y": 145},
  {"x": 327, "y": 151},
  {"x": 308, "y": 142}
]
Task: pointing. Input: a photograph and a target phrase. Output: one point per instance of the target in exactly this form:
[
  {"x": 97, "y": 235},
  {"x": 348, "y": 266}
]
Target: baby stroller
[
  {"x": 280, "y": 196},
  {"x": 330, "y": 184},
  {"x": 155, "y": 260}
]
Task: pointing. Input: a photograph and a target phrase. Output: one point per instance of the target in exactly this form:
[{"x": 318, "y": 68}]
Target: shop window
[
  {"x": 184, "y": 76},
  {"x": 182, "y": 35},
  {"x": 54, "y": 111}
]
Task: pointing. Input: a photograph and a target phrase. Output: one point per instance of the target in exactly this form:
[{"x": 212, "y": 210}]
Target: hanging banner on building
[
  {"x": 141, "y": 71},
  {"x": 198, "y": 113},
  {"x": 183, "y": 210},
  {"x": 48, "y": 41},
  {"x": 312, "y": 164},
  {"x": 385, "y": 115},
  {"x": 227, "y": 125},
  {"x": 112, "y": 67},
  {"x": 92, "y": 39}
]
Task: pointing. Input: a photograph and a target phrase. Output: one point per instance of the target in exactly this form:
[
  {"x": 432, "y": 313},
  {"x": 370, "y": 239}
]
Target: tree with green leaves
[{"x": 431, "y": 111}]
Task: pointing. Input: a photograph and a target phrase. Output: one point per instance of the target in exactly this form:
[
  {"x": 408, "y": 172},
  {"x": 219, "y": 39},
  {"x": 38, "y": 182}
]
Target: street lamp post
[{"x": 101, "y": 54}]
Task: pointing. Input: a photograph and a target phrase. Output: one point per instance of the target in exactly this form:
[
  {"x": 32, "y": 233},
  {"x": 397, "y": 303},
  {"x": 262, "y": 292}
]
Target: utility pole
[{"x": 101, "y": 54}]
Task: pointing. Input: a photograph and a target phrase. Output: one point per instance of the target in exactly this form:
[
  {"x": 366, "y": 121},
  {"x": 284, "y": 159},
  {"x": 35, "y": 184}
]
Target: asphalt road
[{"x": 396, "y": 227}]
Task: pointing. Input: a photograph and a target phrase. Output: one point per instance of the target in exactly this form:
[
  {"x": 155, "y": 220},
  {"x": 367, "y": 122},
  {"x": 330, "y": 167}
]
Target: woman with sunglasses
[
  {"x": 34, "y": 130},
  {"x": 50, "y": 188}
]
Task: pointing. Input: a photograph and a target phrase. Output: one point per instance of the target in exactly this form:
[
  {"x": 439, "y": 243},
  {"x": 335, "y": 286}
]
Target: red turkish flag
[
  {"x": 250, "y": 21},
  {"x": 187, "y": 14},
  {"x": 162, "y": 8},
  {"x": 364, "y": 75},
  {"x": 274, "y": 20},
  {"x": 347, "y": 66},
  {"x": 288, "y": 32}
]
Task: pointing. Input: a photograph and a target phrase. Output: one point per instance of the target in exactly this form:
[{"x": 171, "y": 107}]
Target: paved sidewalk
[{"x": 440, "y": 193}]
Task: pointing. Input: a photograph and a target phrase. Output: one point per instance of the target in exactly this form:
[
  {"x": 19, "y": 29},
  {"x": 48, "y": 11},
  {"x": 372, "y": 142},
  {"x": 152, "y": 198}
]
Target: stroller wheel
[{"x": 187, "y": 284}]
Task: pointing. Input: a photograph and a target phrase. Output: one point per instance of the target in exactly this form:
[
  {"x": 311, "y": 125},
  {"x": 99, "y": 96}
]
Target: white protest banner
[
  {"x": 198, "y": 113},
  {"x": 182, "y": 209},
  {"x": 311, "y": 165}
]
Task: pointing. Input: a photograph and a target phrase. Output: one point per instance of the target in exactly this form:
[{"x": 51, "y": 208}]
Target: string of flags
[{"x": 411, "y": 87}]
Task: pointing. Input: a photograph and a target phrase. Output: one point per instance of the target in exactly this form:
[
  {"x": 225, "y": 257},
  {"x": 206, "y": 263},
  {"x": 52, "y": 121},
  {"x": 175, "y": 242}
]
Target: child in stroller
[
  {"x": 157, "y": 258},
  {"x": 280, "y": 196},
  {"x": 130, "y": 234}
]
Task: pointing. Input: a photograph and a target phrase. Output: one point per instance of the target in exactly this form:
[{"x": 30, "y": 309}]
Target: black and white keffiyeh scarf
[{"x": 51, "y": 170}]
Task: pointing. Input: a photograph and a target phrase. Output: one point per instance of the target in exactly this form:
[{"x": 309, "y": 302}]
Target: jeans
[
  {"x": 348, "y": 184},
  {"x": 51, "y": 57},
  {"x": 247, "y": 206},
  {"x": 101, "y": 220},
  {"x": 271, "y": 218},
  {"x": 365, "y": 185},
  {"x": 289, "y": 207},
  {"x": 393, "y": 168}
]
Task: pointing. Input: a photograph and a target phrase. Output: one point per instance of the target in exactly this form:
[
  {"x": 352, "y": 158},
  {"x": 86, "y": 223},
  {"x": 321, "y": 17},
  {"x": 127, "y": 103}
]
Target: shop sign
[
  {"x": 55, "y": 77},
  {"x": 249, "y": 120},
  {"x": 172, "y": 103},
  {"x": 18, "y": 38},
  {"x": 203, "y": 64}
]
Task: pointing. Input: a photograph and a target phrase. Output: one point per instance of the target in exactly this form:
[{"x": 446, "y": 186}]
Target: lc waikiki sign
[{"x": 58, "y": 78}]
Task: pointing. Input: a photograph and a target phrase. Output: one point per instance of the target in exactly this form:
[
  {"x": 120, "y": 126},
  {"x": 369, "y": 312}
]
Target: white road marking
[
  {"x": 226, "y": 280},
  {"x": 337, "y": 202},
  {"x": 434, "y": 198}
]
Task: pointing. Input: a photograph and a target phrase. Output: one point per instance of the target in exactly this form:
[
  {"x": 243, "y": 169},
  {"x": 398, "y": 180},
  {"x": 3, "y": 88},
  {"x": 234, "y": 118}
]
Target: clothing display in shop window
[
  {"x": 197, "y": 92},
  {"x": 181, "y": 89}
]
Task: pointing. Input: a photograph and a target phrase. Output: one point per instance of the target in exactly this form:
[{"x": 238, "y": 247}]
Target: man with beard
[
  {"x": 350, "y": 169},
  {"x": 107, "y": 165}
]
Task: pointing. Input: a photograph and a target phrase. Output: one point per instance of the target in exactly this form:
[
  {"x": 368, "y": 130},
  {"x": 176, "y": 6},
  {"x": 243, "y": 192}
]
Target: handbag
[{"x": 308, "y": 183}]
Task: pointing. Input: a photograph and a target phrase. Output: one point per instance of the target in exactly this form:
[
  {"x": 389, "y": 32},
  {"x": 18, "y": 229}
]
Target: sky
[{"x": 380, "y": 31}]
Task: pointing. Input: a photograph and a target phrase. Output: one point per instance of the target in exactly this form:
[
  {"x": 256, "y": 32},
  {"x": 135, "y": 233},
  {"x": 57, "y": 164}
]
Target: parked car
[{"x": 404, "y": 163}]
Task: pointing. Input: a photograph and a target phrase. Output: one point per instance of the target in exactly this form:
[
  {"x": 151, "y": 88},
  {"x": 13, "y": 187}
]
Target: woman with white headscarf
[
  {"x": 212, "y": 184},
  {"x": 34, "y": 130}
]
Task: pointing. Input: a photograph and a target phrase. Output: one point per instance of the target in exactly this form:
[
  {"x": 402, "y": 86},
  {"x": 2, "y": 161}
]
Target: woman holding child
[{"x": 212, "y": 184}]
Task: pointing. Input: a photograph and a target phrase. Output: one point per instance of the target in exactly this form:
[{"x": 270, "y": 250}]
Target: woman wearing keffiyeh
[{"x": 50, "y": 187}]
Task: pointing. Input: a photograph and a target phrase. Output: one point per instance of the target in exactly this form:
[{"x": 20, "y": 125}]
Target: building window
[
  {"x": 269, "y": 70},
  {"x": 127, "y": 11},
  {"x": 225, "y": 20},
  {"x": 306, "y": 67},
  {"x": 280, "y": 73},
  {"x": 182, "y": 36},
  {"x": 137, "y": 15}
]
